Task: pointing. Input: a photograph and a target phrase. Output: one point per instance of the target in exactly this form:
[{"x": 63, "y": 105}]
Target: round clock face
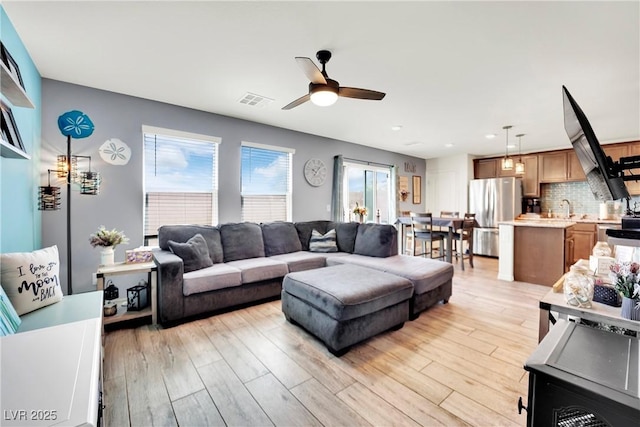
[{"x": 315, "y": 172}]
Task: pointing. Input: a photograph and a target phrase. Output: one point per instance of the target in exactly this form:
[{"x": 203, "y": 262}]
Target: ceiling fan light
[{"x": 324, "y": 96}]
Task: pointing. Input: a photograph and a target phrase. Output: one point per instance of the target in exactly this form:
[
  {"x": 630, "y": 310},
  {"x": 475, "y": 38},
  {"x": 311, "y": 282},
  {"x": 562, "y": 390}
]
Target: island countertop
[{"x": 546, "y": 223}]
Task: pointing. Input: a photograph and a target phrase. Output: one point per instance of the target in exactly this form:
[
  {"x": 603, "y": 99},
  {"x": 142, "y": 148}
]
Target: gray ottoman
[{"x": 345, "y": 304}]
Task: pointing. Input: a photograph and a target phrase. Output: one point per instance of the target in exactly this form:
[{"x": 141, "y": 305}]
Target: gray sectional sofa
[{"x": 204, "y": 269}]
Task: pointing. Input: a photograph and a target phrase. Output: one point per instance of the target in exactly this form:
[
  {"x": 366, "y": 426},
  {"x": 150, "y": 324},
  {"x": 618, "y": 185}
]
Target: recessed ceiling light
[
  {"x": 511, "y": 146},
  {"x": 449, "y": 145},
  {"x": 490, "y": 135},
  {"x": 396, "y": 127}
]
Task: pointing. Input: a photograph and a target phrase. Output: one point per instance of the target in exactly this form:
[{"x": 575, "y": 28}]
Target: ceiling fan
[{"x": 324, "y": 91}]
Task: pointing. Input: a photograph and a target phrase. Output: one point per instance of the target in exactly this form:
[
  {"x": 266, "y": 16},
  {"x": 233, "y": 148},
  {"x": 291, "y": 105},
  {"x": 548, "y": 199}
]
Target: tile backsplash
[{"x": 579, "y": 195}]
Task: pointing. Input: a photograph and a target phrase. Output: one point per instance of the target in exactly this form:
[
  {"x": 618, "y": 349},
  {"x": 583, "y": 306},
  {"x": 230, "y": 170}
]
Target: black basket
[{"x": 607, "y": 294}]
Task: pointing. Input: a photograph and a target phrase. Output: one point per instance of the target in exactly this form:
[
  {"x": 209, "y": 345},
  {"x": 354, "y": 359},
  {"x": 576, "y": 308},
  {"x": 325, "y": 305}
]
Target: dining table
[{"x": 452, "y": 223}]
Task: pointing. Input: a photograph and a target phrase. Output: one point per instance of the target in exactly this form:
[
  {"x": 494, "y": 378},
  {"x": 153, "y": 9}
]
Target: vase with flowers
[
  {"x": 360, "y": 211},
  {"x": 107, "y": 240},
  {"x": 626, "y": 278},
  {"x": 404, "y": 193}
]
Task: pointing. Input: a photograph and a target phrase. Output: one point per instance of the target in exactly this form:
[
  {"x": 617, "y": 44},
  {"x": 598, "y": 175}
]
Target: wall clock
[{"x": 315, "y": 172}]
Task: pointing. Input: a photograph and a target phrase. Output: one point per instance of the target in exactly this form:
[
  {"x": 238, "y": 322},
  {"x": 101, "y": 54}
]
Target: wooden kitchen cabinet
[
  {"x": 552, "y": 166},
  {"x": 541, "y": 253},
  {"x": 486, "y": 168},
  {"x": 530, "y": 183},
  {"x": 574, "y": 168},
  {"x": 584, "y": 237}
]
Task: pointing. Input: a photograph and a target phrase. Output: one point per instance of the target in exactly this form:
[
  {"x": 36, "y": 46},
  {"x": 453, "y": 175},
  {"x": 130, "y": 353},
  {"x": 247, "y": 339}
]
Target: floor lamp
[{"x": 75, "y": 125}]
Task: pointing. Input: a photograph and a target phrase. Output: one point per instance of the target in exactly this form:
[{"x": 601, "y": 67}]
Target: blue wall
[{"x": 20, "y": 220}]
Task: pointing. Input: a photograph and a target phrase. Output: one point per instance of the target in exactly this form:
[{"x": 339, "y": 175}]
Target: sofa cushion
[
  {"x": 376, "y": 240},
  {"x": 347, "y": 291},
  {"x": 241, "y": 241},
  {"x": 194, "y": 253},
  {"x": 323, "y": 242},
  {"x": 346, "y": 235},
  {"x": 182, "y": 233},
  {"x": 424, "y": 273},
  {"x": 280, "y": 238},
  {"x": 305, "y": 229},
  {"x": 302, "y": 260},
  {"x": 218, "y": 276},
  {"x": 31, "y": 280},
  {"x": 257, "y": 269}
]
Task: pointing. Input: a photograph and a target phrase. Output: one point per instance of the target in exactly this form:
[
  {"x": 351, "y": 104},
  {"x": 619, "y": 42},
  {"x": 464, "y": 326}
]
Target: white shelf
[
  {"x": 9, "y": 151},
  {"x": 12, "y": 90}
]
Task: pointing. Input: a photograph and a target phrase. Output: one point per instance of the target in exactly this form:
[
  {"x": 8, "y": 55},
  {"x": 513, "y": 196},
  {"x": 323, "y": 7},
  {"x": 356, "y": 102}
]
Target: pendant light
[
  {"x": 519, "y": 164},
  {"x": 507, "y": 162}
]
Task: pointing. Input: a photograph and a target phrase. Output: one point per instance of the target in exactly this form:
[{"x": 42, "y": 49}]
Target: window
[
  {"x": 369, "y": 186},
  {"x": 180, "y": 179},
  {"x": 266, "y": 183}
]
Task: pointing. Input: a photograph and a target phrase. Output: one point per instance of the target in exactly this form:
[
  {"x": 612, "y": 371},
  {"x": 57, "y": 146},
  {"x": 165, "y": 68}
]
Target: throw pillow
[
  {"x": 9, "y": 319},
  {"x": 31, "y": 279},
  {"x": 323, "y": 242},
  {"x": 194, "y": 253}
]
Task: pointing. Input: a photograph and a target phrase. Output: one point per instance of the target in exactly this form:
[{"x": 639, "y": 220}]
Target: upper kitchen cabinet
[
  {"x": 552, "y": 166},
  {"x": 530, "y": 183},
  {"x": 485, "y": 168},
  {"x": 574, "y": 168}
]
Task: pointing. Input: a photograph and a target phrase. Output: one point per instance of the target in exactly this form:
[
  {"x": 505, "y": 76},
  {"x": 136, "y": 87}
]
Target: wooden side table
[
  {"x": 120, "y": 268},
  {"x": 602, "y": 313}
]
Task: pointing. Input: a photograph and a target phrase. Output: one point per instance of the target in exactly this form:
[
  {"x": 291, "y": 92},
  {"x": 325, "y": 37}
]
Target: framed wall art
[
  {"x": 417, "y": 192},
  {"x": 10, "y": 132},
  {"x": 11, "y": 64}
]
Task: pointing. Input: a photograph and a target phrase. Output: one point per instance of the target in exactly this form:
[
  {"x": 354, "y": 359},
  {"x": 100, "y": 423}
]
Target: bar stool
[
  {"x": 422, "y": 230},
  {"x": 465, "y": 235}
]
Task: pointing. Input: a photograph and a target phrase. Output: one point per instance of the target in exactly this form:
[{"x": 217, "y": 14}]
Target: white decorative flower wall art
[{"x": 115, "y": 152}]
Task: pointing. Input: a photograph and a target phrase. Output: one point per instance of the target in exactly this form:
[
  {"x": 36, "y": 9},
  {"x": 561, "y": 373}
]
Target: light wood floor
[{"x": 457, "y": 364}]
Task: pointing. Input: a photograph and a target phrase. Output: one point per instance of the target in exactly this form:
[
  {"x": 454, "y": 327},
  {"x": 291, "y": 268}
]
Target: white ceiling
[{"x": 452, "y": 71}]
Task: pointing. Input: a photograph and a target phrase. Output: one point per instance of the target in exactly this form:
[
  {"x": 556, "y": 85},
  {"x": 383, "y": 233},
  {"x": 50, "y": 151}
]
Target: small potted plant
[
  {"x": 108, "y": 240},
  {"x": 361, "y": 211},
  {"x": 626, "y": 277}
]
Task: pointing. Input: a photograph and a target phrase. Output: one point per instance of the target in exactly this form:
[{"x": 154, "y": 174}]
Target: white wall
[{"x": 448, "y": 183}]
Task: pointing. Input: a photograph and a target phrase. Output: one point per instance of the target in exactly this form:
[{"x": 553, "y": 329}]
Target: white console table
[{"x": 50, "y": 371}]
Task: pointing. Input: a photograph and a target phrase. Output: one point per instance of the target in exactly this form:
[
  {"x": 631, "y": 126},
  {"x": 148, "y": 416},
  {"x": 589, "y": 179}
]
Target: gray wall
[{"x": 120, "y": 203}]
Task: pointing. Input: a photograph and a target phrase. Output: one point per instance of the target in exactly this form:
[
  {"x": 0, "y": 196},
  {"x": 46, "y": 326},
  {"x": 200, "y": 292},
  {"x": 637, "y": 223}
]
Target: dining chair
[
  {"x": 408, "y": 237},
  {"x": 448, "y": 214},
  {"x": 465, "y": 234},
  {"x": 422, "y": 231}
]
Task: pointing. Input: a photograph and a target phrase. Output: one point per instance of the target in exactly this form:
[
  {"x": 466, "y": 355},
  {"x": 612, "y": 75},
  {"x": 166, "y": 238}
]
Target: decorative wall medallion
[
  {"x": 115, "y": 152},
  {"x": 75, "y": 124}
]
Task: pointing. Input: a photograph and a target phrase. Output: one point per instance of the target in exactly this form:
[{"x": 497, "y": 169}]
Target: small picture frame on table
[
  {"x": 10, "y": 132},
  {"x": 417, "y": 189},
  {"x": 11, "y": 64}
]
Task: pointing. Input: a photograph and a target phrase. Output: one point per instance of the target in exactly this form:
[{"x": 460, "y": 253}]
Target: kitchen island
[{"x": 535, "y": 251}]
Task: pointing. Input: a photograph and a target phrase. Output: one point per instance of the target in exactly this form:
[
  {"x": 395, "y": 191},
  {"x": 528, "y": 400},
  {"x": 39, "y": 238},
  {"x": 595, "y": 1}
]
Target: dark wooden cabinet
[
  {"x": 584, "y": 237},
  {"x": 552, "y": 166},
  {"x": 486, "y": 168},
  {"x": 542, "y": 254},
  {"x": 530, "y": 183}
]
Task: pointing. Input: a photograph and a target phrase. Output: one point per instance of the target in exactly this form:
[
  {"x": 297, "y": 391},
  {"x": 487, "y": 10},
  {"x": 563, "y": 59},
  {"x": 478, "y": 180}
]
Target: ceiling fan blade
[
  {"x": 354, "y": 92},
  {"x": 311, "y": 70},
  {"x": 297, "y": 102}
]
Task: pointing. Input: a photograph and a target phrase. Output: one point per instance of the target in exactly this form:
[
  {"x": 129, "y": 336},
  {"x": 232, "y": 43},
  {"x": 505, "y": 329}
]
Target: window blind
[
  {"x": 266, "y": 183},
  {"x": 180, "y": 181}
]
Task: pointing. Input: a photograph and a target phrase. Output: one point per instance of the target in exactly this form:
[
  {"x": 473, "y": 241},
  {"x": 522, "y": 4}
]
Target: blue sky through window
[
  {"x": 178, "y": 165},
  {"x": 264, "y": 171}
]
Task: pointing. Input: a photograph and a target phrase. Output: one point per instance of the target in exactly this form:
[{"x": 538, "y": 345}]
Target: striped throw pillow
[{"x": 323, "y": 243}]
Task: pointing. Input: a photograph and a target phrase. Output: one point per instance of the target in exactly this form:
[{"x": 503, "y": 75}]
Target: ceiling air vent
[{"x": 253, "y": 100}]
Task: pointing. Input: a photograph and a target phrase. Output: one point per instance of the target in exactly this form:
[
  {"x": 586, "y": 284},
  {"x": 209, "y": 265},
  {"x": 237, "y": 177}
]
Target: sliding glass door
[{"x": 368, "y": 186}]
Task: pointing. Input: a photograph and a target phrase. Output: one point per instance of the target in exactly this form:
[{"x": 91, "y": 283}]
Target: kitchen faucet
[{"x": 567, "y": 212}]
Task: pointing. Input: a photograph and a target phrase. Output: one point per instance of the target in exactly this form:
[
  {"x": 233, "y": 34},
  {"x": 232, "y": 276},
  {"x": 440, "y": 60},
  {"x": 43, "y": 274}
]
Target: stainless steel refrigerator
[{"x": 493, "y": 200}]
